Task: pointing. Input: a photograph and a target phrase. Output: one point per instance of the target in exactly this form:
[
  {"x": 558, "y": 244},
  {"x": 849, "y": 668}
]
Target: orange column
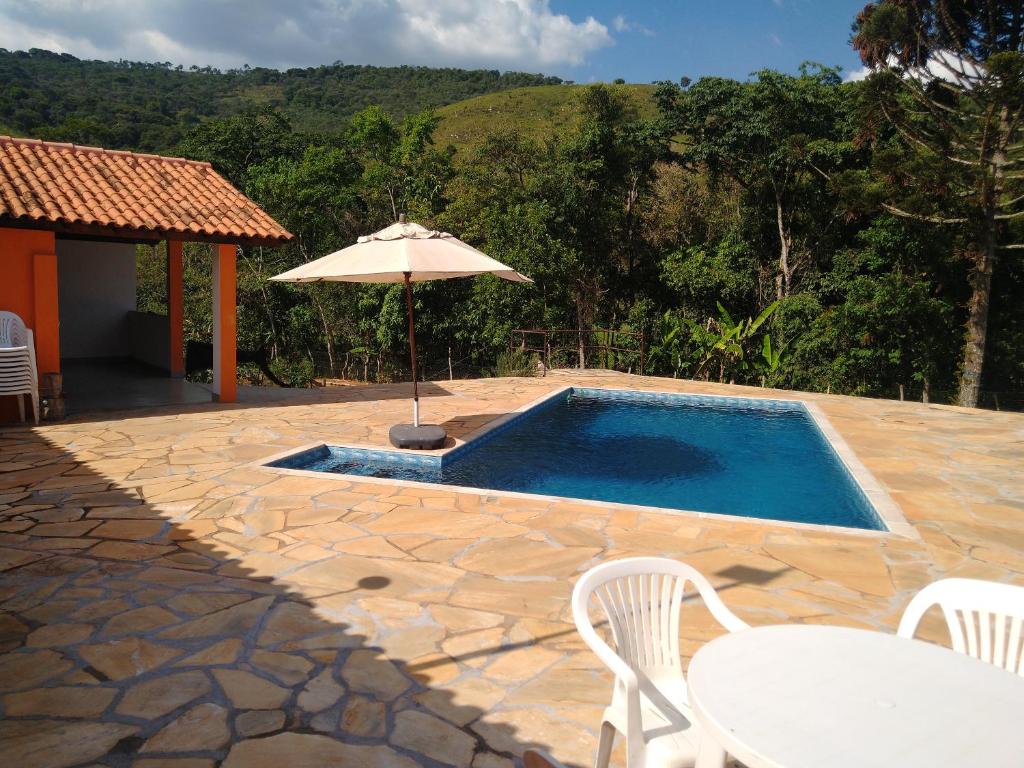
[
  {"x": 176, "y": 308},
  {"x": 225, "y": 385},
  {"x": 47, "y": 316}
]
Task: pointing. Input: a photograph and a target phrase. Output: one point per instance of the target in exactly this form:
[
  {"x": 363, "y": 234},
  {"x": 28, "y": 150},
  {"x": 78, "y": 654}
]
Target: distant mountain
[
  {"x": 536, "y": 112},
  {"x": 149, "y": 107}
]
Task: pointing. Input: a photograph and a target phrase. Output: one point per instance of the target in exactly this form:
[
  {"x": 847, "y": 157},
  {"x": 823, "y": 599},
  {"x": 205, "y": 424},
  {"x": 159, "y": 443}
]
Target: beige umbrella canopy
[
  {"x": 403, "y": 251},
  {"x": 406, "y": 253}
]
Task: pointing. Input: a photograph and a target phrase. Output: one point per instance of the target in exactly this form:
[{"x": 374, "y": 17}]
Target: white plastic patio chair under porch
[
  {"x": 985, "y": 619},
  {"x": 18, "y": 373},
  {"x": 642, "y": 600}
]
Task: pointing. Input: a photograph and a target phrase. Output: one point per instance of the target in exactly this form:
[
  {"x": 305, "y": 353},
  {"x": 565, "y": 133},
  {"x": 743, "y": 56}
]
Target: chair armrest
[
  {"x": 718, "y": 609},
  {"x": 624, "y": 674}
]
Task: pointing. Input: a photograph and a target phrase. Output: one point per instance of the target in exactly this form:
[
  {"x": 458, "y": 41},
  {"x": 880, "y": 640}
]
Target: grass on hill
[
  {"x": 537, "y": 112},
  {"x": 150, "y": 107}
]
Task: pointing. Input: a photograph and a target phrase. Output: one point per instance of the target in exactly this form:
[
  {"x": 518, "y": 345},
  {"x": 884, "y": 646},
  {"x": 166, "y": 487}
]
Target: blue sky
[
  {"x": 664, "y": 40},
  {"x": 583, "y": 40}
]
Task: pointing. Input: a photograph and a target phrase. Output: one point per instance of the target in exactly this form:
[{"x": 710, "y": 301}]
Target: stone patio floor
[{"x": 165, "y": 603}]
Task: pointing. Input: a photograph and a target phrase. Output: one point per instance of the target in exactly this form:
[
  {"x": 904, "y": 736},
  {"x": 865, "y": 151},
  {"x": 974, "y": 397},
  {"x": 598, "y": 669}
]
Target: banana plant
[
  {"x": 725, "y": 342},
  {"x": 771, "y": 358},
  {"x": 667, "y": 349}
]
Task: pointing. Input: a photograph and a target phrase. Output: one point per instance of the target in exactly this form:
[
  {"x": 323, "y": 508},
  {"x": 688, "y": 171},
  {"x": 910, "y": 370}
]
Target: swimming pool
[{"x": 754, "y": 458}]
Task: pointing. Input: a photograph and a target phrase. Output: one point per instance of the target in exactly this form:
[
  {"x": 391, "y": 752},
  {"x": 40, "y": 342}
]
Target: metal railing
[{"x": 583, "y": 348}]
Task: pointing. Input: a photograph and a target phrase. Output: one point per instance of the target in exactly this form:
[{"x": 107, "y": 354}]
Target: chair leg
[
  {"x": 604, "y": 745},
  {"x": 21, "y": 407},
  {"x": 35, "y": 404}
]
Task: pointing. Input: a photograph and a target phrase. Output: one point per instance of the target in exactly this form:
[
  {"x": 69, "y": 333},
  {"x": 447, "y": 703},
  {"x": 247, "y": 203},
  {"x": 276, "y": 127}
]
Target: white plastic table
[{"x": 816, "y": 696}]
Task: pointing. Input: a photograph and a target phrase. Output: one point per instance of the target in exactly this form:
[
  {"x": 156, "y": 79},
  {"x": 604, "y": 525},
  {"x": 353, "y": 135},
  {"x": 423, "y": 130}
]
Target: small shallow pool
[{"x": 746, "y": 457}]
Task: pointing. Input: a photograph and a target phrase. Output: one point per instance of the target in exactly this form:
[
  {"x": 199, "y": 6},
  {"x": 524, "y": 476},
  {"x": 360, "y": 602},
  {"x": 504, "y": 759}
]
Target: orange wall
[{"x": 28, "y": 266}]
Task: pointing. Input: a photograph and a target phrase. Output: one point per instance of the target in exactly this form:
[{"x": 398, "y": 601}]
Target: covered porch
[
  {"x": 113, "y": 356},
  {"x": 94, "y": 350},
  {"x": 71, "y": 219}
]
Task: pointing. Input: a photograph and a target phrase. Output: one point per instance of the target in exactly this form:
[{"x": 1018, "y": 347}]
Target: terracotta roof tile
[{"x": 66, "y": 186}]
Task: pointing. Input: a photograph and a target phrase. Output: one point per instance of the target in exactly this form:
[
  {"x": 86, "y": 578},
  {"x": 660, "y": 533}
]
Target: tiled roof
[{"x": 87, "y": 190}]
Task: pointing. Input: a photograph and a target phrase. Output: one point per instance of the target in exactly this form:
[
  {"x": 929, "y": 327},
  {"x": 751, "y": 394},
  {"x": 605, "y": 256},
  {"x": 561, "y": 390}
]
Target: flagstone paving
[{"x": 166, "y": 604}]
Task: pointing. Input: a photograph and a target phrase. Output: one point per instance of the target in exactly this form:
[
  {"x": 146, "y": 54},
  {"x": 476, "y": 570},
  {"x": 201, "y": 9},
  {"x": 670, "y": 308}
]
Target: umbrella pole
[{"x": 412, "y": 352}]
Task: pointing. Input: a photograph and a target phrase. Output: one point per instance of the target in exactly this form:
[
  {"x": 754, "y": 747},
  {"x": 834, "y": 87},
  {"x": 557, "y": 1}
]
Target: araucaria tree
[{"x": 944, "y": 106}]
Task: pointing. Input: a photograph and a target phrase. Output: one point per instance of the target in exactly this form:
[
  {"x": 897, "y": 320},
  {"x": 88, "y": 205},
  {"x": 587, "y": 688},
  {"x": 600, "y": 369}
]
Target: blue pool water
[{"x": 751, "y": 458}]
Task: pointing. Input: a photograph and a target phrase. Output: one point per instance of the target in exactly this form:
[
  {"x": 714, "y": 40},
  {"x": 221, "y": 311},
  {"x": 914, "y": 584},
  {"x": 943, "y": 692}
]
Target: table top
[{"x": 802, "y": 696}]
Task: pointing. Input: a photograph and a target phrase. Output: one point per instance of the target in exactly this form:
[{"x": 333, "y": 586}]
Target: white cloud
[
  {"x": 504, "y": 34},
  {"x": 776, "y": 40},
  {"x": 621, "y": 24},
  {"x": 857, "y": 75},
  {"x": 947, "y": 66},
  {"x": 943, "y": 65}
]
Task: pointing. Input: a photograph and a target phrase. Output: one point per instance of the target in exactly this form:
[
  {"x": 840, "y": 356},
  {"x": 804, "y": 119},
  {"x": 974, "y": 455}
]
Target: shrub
[
  {"x": 295, "y": 372},
  {"x": 516, "y": 362}
]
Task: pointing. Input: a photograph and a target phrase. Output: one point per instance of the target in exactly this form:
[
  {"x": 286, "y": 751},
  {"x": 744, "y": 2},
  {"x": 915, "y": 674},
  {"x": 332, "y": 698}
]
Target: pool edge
[{"x": 884, "y": 506}]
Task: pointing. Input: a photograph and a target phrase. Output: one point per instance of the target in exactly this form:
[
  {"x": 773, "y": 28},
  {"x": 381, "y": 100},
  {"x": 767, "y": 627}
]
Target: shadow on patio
[
  {"x": 123, "y": 636},
  {"x": 164, "y": 598}
]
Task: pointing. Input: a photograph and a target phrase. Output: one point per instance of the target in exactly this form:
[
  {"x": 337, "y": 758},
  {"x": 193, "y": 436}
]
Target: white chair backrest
[
  {"x": 985, "y": 619},
  {"x": 642, "y": 599},
  {"x": 13, "y": 332}
]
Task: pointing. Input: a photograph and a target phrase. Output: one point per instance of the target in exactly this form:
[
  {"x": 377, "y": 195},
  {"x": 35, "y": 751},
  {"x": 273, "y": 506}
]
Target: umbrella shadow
[{"x": 464, "y": 424}]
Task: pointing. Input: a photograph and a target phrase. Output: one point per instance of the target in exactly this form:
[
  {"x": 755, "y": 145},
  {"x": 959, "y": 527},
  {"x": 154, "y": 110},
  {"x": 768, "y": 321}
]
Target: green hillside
[
  {"x": 150, "y": 107},
  {"x": 536, "y": 112}
]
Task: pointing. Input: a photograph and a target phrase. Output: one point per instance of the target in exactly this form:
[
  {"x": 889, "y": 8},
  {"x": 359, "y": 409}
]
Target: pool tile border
[
  {"x": 883, "y": 504},
  {"x": 638, "y": 395}
]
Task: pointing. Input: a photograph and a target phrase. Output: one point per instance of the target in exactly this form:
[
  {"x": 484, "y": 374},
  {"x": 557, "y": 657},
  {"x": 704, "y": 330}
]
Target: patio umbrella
[{"x": 405, "y": 253}]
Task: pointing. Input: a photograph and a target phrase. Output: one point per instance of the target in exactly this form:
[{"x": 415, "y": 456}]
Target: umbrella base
[{"x": 425, "y": 437}]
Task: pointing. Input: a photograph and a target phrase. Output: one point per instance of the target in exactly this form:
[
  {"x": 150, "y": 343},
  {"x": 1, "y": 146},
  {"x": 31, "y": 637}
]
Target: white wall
[{"x": 96, "y": 290}]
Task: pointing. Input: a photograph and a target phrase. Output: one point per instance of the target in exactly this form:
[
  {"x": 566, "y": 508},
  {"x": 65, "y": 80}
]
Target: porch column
[
  {"x": 46, "y": 325},
  {"x": 225, "y": 386},
  {"x": 176, "y": 309}
]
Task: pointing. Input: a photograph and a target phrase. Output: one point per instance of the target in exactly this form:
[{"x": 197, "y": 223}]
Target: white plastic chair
[
  {"x": 18, "y": 373},
  {"x": 642, "y": 599},
  {"x": 985, "y": 619}
]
